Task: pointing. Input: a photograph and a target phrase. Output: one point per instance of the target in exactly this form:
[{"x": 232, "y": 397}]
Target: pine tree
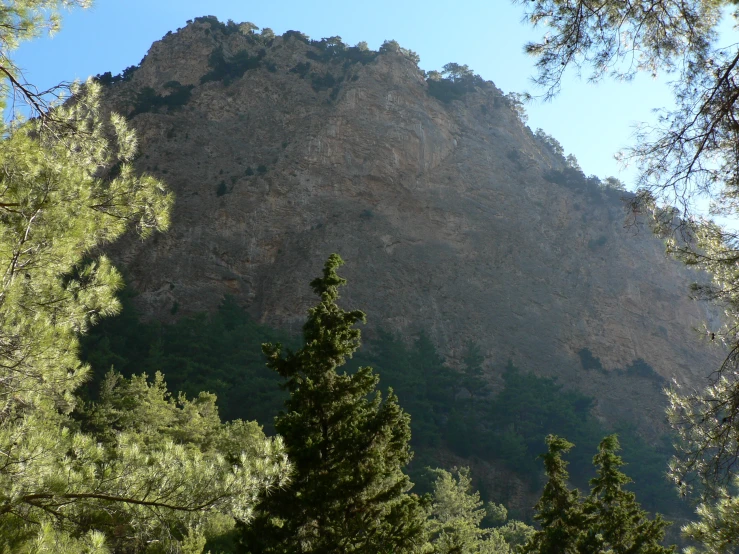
[
  {"x": 68, "y": 186},
  {"x": 187, "y": 448},
  {"x": 456, "y": 514},
  {"x": 558, "y": 511},
  {"x": 348, "y": 446},
  {"x": 717, "y": 529},
  {"x": 613, "y": 520},
  {"x": 472, "y": 373},
  {"x": 608, "y": 520},
  {"x": 613, "y": 517}
]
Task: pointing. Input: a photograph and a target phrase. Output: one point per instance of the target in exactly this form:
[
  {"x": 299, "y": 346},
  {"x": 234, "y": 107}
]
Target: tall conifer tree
[
  {"x": 608, "y": 520},
  {"x": 558, "y": 510},
  {"x": 614, "y": 521},
  {"x": 348, "y": 447}
]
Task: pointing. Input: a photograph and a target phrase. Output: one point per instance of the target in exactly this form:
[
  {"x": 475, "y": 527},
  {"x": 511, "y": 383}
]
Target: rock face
[{"x": 452, "y": 217}]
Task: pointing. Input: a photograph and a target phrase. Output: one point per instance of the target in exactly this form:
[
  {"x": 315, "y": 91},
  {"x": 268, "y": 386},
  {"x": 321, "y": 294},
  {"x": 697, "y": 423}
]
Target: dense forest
[
  {"x": 225, "y": 352},
  {"x": 451, "y": 408}
]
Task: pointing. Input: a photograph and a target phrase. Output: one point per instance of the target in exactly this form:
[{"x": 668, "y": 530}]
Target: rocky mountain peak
[{"x": 453, "y": 216}]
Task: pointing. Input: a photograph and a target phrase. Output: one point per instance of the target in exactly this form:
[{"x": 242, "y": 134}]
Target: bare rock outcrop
[{"x": 452, "y": 217}]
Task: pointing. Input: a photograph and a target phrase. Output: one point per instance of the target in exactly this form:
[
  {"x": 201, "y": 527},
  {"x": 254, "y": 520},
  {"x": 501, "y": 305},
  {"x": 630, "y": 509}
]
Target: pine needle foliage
[
  {"x": 717, "y": 527},
  {"x": 608, "y": 520},
  {"x": 613, "y": 518},
  {"x": 58, "y": 202},
  {"x": 558, "y": 511},
  {"x": 21, "y": 20},
  {"x": 456, "y": 515},
  {"x": 348, "y": 446},
  {"x": 67, "y": 186}
]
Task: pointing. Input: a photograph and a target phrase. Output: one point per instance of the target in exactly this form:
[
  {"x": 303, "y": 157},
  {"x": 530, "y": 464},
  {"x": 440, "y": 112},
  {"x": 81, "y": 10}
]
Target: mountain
[{"x": 453, "y": 216}]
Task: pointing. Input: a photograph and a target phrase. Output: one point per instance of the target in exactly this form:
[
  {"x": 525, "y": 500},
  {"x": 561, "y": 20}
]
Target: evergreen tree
[
  {"x": 348, "y": 446},
  {"x": 717, "y": 528},
  {"x": 68, "y": 186},
  {"x": 456, "y": 514},
  {"x": 234, "y": 460},
  {"x": 613, "y": 520},
  {"x": 609, "y": 520},
  {"x": 690, "y": 155},
  {"x": 472, "y": 374},
  {"x": 558, "y": 511}
]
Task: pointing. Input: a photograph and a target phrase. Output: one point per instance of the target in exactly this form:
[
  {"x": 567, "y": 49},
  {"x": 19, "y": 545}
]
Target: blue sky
[{"x": 591, "y": 121}]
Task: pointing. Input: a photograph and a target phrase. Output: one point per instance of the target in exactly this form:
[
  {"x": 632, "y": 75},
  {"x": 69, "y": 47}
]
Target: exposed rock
[{"x": 446, "y": 215}]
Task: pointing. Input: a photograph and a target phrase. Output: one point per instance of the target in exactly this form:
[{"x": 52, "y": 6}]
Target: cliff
[{"x": 452, "y": 215}]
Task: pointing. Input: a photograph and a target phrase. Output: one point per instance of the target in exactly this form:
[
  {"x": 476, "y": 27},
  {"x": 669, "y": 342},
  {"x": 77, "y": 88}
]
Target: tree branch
[{"x": 31, "y": 498}]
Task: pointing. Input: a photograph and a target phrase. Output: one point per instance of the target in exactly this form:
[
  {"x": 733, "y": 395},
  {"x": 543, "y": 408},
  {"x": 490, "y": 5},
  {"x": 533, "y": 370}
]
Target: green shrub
[
  {"x": 229, "y": 70},
  {"x": 323, "y": 82},
  {"x": 211, "y": 20},
  {"x": 640, "y": 368},
  {"x": 452, "y": 83},
  {"x": 516, "y": 157},
  {"x": 354, "y": 54},
  {"x": 589, "y": 361},
  {"x": 302, "y": 69},
  {"x": 148, "y": 100},
  {"x": 106, "y": 79},
  {"x": 178, "y": 96},
  {"x": 297, "y": 35},
  {"x": 448, "y": 89},
  {"x": 326, "y": 49},
  {"x": 332, "y": 49}
]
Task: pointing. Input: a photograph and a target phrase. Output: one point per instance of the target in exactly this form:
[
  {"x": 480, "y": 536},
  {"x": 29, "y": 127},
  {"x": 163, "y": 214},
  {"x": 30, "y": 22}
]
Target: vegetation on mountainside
[
  {"x": 221, "y": 353},
  {"x": 457, "y": 514},
  {"x": 452, "y": 83},
  {"x": 329, "y": 63},
  {"x": 147, "y": 100},
  {"x": 234, "y": 68}
]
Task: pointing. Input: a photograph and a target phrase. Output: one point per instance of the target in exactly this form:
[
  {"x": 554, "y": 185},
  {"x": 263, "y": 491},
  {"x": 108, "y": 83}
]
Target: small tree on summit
[
  {"x": 348, "y": 446},
  {"x": 456, "y": 72}
]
